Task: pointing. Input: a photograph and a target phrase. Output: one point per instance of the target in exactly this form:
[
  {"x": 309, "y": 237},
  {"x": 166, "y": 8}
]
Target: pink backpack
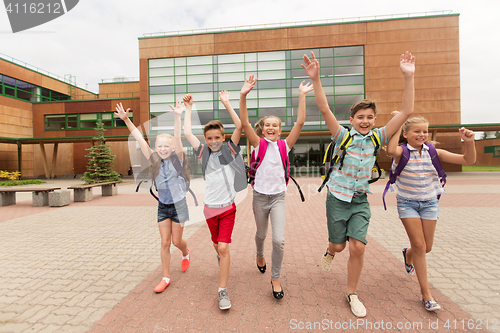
[{"x": 256, "y": 161}]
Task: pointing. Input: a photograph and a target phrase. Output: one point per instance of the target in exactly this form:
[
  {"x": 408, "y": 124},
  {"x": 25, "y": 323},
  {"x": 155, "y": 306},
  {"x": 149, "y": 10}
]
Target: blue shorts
[
  {"x": 177, "y": 212},
  {"x": 425, "y": 210}
]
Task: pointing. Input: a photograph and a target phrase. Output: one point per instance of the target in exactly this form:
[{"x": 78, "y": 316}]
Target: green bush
[{"x": 21, "y": 182}]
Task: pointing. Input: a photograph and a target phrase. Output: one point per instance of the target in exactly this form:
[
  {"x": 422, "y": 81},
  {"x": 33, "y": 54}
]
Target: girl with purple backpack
[
  {"x": 419, "y": 188},
  {"x": 270, "y": 177}
]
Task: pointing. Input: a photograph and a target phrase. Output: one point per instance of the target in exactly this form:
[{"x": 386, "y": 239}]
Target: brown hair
[
  {"x": 361, "y": 105},
  {"x": 155, "y": 161},
  {"x": 260, "y": 125},
  {"x": 213, "y": 124}
]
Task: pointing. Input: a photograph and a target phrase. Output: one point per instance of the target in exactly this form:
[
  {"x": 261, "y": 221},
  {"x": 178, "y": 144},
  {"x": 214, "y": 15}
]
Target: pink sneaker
[
  {"x": 185, "y": 262},
  {"x": 161, "y": 286}
]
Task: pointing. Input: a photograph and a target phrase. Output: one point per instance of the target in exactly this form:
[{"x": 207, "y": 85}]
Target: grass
[
  {"x": 21, "y": 182},
  {"x": 480, "y": 168}
]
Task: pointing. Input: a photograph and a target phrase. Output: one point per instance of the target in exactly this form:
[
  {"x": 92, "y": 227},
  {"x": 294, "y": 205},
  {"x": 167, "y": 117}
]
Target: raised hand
[
  {"x": 179, "y": 107},
  {"x": 248, "y": 85},
  {"x": 224, "y": 96},
  {"x": 466, "y": 135},
  {"x": 311, "y": 66},
  {"x": 188, "y": 100},
  {"x": 305, "y": 88},
  {"x": 394, "y": 113},
  {"x": 407, "y": 64},
  {"x": 121, "y": 112}
]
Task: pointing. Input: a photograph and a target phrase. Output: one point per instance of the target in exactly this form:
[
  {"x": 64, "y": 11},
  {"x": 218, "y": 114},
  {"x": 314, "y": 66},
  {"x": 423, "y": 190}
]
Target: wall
[
  {"x": 486, "y": 159},
  {"x": 16, "y": 121},
  {"x": 433, "y": 40},
  {"x": 119, "y": 89}
]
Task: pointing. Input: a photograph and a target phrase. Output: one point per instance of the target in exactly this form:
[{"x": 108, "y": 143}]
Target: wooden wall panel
[
  {"x": 64, "y": 162},
  {"x": 418, "y": 23},
  {"x": 401, "y": 36},
  {"x": 482, "y": 158},
  {"x": 119, "y": 89}
]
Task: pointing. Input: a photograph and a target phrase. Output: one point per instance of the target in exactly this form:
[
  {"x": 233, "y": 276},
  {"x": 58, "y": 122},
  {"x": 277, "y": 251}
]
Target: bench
[
  {"x": 83, "y": 193},
  {"x": 40, "y": 195}
]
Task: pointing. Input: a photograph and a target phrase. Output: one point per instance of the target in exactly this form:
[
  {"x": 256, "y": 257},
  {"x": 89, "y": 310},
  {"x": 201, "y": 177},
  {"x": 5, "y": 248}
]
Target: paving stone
[{"x": 94, "y": 255}]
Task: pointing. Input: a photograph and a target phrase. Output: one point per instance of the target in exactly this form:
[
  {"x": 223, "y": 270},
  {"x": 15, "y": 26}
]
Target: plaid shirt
[{"x": 358, "y": 164}]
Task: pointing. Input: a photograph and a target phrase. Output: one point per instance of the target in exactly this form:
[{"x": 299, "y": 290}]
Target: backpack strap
[
  {"x": 346, "y": 141},
  {"x": 331, "y": 157},
  {"x": 376, "y": 144},
  {"x": 176, "y": 162},
  {"x": 255, "y": 162},
  {"x": 286, "y": 166},
  {"x": 403, "y": 160},
  {"x": 437, "y": 165}
]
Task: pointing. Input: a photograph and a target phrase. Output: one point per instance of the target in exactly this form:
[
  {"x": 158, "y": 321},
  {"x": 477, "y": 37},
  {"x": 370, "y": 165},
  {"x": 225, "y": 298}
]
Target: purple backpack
[
  {"x": 256, "y": 161},
  {"x": 405, "y": 156}
]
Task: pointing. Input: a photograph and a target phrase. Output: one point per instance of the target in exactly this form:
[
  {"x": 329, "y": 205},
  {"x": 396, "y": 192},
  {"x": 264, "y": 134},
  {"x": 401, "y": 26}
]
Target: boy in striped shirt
[{"x": 347, "y": 208}]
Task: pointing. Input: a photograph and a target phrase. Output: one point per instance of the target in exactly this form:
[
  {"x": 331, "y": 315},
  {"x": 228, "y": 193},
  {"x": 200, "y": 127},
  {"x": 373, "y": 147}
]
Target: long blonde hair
[{"x": 260, "y": 125}]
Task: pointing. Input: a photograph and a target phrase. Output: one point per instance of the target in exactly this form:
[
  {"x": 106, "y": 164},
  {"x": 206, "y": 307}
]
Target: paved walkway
[{"x": 93, "y": 266}]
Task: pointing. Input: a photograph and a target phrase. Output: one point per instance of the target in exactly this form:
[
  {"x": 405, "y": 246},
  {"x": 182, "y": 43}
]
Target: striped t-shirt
[
  {"x": 419, "y": 179},
  {"x": 358, "y": 164}
]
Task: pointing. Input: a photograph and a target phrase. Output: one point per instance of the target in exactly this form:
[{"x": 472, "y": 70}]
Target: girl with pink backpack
[{"x": 269, "y": 175}]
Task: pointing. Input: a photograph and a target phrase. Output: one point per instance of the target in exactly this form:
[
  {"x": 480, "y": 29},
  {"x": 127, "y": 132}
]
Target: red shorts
[{"x": 220, "y": 222}]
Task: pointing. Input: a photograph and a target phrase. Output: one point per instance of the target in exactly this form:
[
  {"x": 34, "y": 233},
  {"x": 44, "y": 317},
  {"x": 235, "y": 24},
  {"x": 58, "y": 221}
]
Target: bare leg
[{"x": 355, "y": 264}]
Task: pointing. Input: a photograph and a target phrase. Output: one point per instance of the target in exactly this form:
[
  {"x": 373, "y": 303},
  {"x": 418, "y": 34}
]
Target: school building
[{"x": 47, "y": 122}]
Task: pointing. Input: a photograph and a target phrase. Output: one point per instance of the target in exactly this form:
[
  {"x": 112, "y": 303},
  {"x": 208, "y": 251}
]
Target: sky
[{"x": 98, "y": 39}]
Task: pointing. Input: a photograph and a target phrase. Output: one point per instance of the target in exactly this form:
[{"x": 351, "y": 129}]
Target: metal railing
[
  {"x": 297, "y": 24},
  {"x": 120, "y": 79},
  {"x": 68, "y": 79}
]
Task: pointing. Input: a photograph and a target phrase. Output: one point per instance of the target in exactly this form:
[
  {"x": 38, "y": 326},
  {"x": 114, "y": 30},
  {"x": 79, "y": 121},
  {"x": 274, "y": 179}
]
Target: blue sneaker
[
  {"x": 409, "y": 268},
  {"x": 431, "y": 305}
]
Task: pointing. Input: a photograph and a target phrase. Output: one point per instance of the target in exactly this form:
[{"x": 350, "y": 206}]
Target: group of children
[{"x": 347, "y": 208}]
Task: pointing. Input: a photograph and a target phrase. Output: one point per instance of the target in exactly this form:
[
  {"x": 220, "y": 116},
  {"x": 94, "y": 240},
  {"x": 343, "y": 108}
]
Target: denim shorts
[
  {"x": 425, "y": 210},
  {"x": 177, "y": 212}
]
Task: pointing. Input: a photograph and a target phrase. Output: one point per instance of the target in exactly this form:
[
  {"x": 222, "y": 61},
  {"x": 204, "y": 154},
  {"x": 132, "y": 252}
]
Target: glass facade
[
  {"x": 28, "y": 92},
  {"x": 54, "y": 122},
  {"x": 279, "y": 74}
]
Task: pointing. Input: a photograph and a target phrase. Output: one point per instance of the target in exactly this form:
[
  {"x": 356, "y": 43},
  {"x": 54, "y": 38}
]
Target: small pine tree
[{"x": 100, "y": 166}]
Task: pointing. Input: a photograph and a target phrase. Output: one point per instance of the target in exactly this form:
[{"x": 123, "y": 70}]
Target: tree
[{"x": 100, "y": 166}]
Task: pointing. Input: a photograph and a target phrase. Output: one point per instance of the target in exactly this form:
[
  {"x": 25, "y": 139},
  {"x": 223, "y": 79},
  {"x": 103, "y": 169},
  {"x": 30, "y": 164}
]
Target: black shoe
[
  {"x": 277, "y": 294},
  {"x": 262, "y": 269}
]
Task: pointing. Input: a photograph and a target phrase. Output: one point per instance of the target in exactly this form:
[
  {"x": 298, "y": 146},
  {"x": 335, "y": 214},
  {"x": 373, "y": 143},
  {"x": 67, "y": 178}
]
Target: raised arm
[
  {"x": 468, "y": 157},
  {"x": 178, "y": 109},
  {"x": 407, "y": 66},
  {"x": 394, "y": 150},
  {"x": 301, "y": 114},
  {"x": 312, "y": 69},
  {"x": 224, "y": 97},
  {"x": 245, "y": 123},
  {"x": 123, "y": 115},
  {"x": 193, "y": 140}
]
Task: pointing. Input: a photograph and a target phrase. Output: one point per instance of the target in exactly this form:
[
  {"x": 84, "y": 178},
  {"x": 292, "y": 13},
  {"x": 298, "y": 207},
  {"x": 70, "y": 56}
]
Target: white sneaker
[
  {"x": 357, "y": 308},
  {"x": 326, "y": 261},
  {"x": 224, "y": 302}
]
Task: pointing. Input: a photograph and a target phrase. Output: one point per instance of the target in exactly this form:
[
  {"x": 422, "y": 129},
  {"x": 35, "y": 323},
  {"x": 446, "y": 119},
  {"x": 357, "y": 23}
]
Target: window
[
  {"x": 83, "y": 121},
  {"x": 276, "y": 93},
  {"x": 28, "y": 92}
]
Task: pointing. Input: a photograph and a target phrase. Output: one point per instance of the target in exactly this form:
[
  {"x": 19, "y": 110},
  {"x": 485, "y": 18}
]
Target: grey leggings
[{"x": 264, "y": 206}]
